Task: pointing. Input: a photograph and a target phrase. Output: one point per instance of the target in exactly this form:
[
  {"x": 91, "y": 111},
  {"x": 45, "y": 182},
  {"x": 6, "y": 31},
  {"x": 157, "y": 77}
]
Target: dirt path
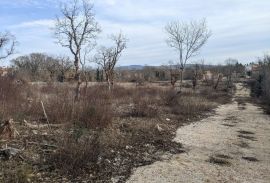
[{"x": 231, "y": 146}]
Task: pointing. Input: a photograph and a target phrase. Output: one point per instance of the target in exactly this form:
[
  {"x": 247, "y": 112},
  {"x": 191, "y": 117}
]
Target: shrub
[
  {"x": 76, "y": 154},
  {"x": 144, "y": 103},
  {"x": 260, "y": 85}
]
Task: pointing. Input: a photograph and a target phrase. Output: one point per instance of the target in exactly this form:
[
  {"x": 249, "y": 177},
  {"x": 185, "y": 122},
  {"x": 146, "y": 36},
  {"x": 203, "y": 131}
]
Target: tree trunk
[
  {"x": 181, "y": 79},
  {"x": 77, "y": 78},
  {"x": 194, "y": 82},
  {"x": 109, "y": 84},
  {"x": 218, "y": 80},
  {"x": 78, "y": 90}
]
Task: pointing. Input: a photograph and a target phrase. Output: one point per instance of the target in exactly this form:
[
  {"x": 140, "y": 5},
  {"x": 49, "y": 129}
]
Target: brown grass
[
  {"x": 108, "y": 131},
  {"x": 77, "y": 153},
  {"x": 13, "y": 98}
]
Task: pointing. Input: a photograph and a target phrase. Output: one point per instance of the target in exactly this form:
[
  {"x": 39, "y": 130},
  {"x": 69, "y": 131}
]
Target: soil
[{"x": 233, "y": 145}]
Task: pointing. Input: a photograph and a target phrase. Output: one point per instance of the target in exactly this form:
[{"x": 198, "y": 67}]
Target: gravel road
[{"x": 233, "y": 145}]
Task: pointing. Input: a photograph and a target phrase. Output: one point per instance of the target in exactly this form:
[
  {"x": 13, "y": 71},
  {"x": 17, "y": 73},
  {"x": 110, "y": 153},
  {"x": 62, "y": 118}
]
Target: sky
[{"x": 240, "y": 28}]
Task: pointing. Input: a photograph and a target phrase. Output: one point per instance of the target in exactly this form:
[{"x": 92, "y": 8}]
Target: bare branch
[
  {"x": 108, "y": 57},
  {"x": 76, "y": 29},
  {"x": 187, "y": 38},
  {"x": 7, "y": 45}
]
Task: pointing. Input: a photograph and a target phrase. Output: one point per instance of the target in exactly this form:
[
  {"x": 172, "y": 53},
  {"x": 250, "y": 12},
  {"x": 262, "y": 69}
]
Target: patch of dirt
[
  {"x": 219, "y": 161},
  {"x": 223, "y": 156},
  {"x": 253, "y": 159},
  {"x": 242, "y": 144},
  {"x": 247, "y": 137},
  {"x": 229, "y": 125},
  {"x": 245, "y": 132}
]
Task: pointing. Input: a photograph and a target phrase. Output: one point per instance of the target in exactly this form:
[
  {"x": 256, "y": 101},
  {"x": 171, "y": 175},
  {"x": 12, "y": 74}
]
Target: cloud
[
  {"x": 49, "y": 23},
  {"x": 240, "y": 28}
]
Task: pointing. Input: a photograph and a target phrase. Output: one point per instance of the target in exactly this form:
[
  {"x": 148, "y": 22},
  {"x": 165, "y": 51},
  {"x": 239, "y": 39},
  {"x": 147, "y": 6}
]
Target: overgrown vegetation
[
  {"x": 62, "y": 131},
  {"x": 104, "y": 134},
  {"x": 260, "y": 83}
]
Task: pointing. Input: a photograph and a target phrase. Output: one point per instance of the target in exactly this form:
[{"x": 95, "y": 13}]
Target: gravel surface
[{"x": 233, "y": 145}]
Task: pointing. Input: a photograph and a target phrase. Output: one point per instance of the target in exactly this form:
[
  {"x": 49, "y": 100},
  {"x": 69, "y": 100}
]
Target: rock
[
  {"x": 167, "y": 119},
  {"x": 35, "y": 132},
  {"x": 8, "y": 153},
  {"x": 159, "y": 128},
  {"x": 128, "y": 147},
  {"x": 116, "y": 179}
]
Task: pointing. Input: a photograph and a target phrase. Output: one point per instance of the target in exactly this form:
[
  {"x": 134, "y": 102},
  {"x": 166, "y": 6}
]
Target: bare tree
[
  {"x": 75, "y": 30},
  {"x": 198, "y": 71},
  {"x": 64, "y": 66},
  {"x": 83, "y": 62},
  {"x": 187, "y": 38},
  {"x": 174, "y": 73},
  {"x": 108, "y": 57},
  {"x": 51, "y": 65},
  {"x": 7, "y": 45},
  {"x": 230, "y": 68}
]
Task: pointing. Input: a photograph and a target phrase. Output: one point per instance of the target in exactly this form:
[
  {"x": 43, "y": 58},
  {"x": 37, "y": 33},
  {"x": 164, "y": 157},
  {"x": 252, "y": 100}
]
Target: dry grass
[
  {"x": 77, "y": 154},
  {"x": 13, "y": 98},
  {"x": 107, "y": 131}
]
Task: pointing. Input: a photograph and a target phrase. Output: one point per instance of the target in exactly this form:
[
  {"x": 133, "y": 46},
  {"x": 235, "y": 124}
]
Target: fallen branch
[{"x": 33, "y": 126}]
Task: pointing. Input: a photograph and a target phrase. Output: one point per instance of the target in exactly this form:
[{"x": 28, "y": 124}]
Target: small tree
[
  {"x": 174, "y": 73},
  {"x": 230, "y": 68},
  {"x": 187, "y": 38},
  {"x": 64, "y": 66},
  {"x": 108, "y": 57},
  {"x": 195, "y": 76},
  {"x": 75, "y": 30},
  {"x": 51, "y": 65},
  {"x": 7, "y": 45},
  {"x": 198, "y": 71}
]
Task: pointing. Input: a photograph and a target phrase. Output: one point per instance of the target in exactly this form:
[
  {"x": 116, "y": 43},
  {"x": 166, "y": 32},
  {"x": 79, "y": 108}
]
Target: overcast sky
[{"x": 241, "y": 28}]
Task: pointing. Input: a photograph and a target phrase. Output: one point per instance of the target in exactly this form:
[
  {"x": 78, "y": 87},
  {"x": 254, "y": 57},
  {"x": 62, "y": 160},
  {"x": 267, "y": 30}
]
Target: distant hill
[
  {"x": 141, "y": 67},
  {"x": 131, "y": 67}
]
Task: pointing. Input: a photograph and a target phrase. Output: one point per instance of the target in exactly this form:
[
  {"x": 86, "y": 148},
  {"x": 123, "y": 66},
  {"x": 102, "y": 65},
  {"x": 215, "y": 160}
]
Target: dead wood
[
  {"x": 7, "y": 130},
  {"x": 39, "y": 126}
]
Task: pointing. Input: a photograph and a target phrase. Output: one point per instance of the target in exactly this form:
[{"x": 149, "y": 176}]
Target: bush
[
  {"x": 260, "y": 85},
  {"x": 143, "y": 107},
  {"x": 77, "y": 153}
]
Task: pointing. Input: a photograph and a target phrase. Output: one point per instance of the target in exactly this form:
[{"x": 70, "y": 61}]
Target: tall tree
[
  {"x": 76, "y": 29},
  {"x": 187, "y": 38},
  {"x": 7, "y": 45}
]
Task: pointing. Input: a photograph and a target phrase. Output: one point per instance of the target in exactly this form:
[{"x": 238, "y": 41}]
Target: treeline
[{"x": 43, "y": 67}]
